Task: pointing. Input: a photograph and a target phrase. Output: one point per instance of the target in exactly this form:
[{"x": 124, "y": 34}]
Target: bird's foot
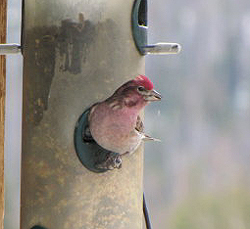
[{"x": 111, "y": 161}]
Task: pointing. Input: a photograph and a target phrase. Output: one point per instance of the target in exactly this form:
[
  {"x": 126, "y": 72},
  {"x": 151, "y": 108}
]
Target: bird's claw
[{"x": 111, "y": 161}]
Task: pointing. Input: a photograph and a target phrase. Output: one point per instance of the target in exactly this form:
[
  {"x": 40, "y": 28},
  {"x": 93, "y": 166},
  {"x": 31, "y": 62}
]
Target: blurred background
[{"x": 198, "y": 176}]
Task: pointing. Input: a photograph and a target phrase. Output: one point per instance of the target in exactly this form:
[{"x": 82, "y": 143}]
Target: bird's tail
[{"x": 148, "y": 138}]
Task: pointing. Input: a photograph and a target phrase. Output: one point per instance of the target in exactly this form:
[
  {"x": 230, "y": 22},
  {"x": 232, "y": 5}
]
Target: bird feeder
[{"x": 75, "y": 54}]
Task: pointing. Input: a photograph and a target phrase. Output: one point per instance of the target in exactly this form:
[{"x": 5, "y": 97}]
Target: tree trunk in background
[{"x": 3, "y": 9}]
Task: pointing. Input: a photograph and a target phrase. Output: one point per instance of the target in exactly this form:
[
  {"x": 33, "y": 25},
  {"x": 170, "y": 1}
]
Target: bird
[{"x": 115, "y": 123}]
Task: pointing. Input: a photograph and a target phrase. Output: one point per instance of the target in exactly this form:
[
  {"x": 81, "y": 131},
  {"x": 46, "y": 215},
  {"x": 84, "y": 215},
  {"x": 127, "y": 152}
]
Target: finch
[{"x": 115, "y": 123}]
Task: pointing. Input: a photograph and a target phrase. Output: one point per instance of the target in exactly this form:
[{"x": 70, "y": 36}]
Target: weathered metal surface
[{"x": 75, "y": 53}]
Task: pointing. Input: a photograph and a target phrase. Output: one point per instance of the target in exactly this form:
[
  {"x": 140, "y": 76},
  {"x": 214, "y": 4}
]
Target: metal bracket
[
  {"x": 10, "y": 49},
  {"x": 162, "y": 48},
  {"x": 139, "y": 29}
]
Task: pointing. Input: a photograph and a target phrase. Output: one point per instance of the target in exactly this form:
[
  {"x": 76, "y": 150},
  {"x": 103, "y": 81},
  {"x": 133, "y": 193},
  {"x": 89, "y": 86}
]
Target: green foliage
[{"x": 227, "y": 210}]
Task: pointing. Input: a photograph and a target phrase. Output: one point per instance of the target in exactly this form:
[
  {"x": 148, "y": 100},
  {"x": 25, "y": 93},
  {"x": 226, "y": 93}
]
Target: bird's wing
[
  {"x": 139, "y": 128},
  {"x": 86, "y": 135},
  {"x": 91, "y": 110},
  {"x": 139, "y": 124}
]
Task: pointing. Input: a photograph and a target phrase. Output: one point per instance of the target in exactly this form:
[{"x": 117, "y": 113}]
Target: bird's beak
[{"x": 153, "y": 95}]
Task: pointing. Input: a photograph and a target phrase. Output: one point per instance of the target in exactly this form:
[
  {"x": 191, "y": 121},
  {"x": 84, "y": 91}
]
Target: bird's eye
[{"x": 141, "y": 88}]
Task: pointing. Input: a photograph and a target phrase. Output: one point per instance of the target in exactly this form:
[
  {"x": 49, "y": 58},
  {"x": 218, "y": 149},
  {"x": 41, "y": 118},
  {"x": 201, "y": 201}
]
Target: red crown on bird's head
[{"x": 144, "y": 81}]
